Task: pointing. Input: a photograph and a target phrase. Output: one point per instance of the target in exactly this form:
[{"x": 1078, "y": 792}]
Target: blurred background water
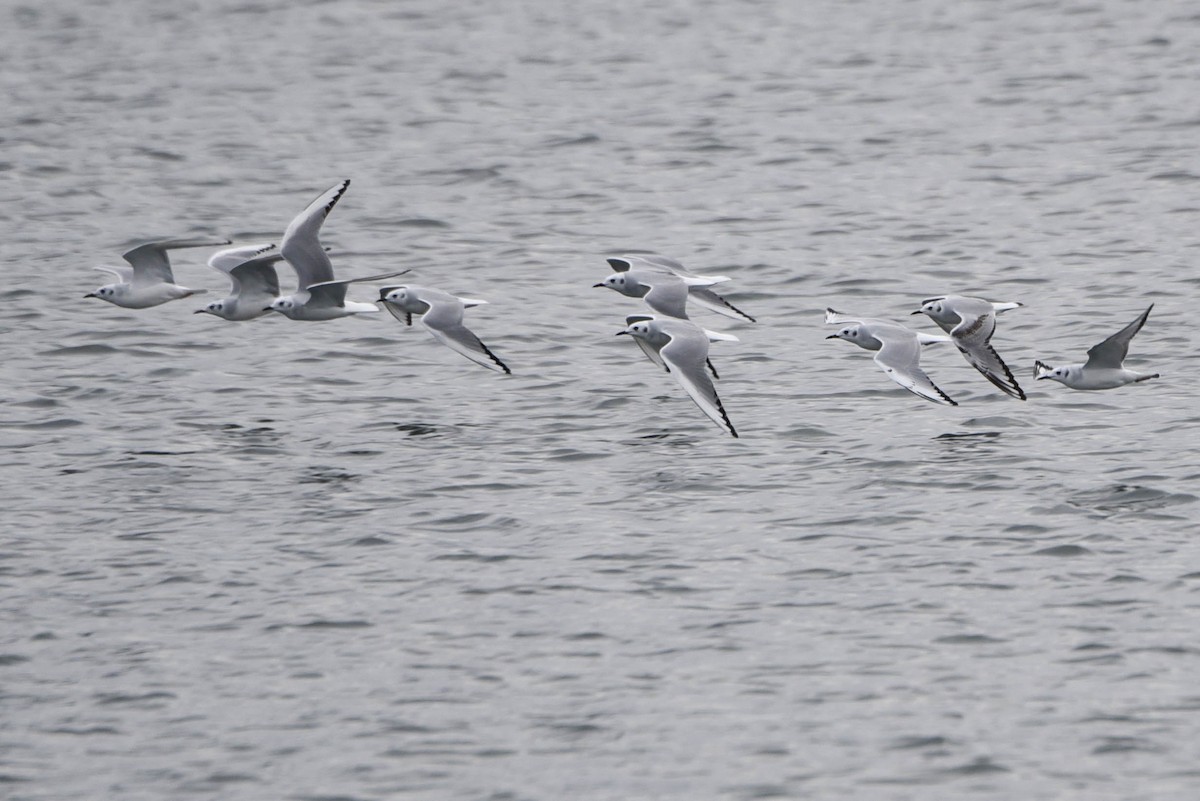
[{"x": 338, "y": 561}]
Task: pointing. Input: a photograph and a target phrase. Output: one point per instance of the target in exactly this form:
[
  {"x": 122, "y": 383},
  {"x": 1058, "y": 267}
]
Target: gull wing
[
  {"x": 714, "y": 302},
  {"x": 983, "y": 357},
  {"x": 125, "y": 274},
  {"x": 900, "y": 359},
  {"x": 225, "y": 260},
  {"x": 301, "y": 244},
  {"x": 380, "y": 277},
  {"x": 444, "y": 321},
  {"x": 671, "y": 265},
  {"x": 686, "y": 354},
  {"x": 327, "y": 294},
  {"x": 1111, "y": 352},
  {"x": 668, "y": 294},
  {"x": 333, "y": 293},
  {"x": 838, "y": 317},
  {"x": 256, "y": 279},
  {"x": 974, "y": 325},
  {"x": 150, "y": 263},
  {"x": 651, "y": 353}
]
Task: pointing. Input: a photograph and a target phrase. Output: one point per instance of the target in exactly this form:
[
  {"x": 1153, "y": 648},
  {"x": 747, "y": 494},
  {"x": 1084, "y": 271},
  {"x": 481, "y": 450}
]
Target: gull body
[
  {"x": 1105, "y": 367},
  {"x": 442, "y": 315},
  {"x": 970, "y": 322},
  {"x": 897, "y": 351},
  {"x": 650, "y": 282},
  {"x": 319, "y": 296},
  {"x": 148, "y": 280},
  {"x": 662, "y": 290},
  {"x": 255, "y": 283},
  {"x": 681, "y": 347}
]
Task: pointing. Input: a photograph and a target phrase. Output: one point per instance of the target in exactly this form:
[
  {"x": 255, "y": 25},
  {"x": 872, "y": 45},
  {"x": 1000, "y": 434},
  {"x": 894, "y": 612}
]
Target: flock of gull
[{"x": 666, "y": 335}]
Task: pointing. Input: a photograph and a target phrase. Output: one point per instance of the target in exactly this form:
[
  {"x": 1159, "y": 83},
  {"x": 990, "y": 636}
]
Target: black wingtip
[
  {"x": 333, "y": 201},
  {"x": 725, "y": 417},
  {"x": 493, "y": 357},
  {"x": 1012, "y": 388},
  {"x": 739, "y": 311}
]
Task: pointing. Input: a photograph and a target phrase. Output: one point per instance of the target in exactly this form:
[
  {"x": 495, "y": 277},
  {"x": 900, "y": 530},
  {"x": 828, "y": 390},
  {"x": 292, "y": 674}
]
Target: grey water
[{"x": 323, "y": 561}]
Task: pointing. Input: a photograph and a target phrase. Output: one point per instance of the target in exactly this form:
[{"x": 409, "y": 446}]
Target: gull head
[
  {"x": 285, "y": 305},
  {"x": 398, "y": 296},
  {"x": 934, "y": 308},
  {"x": 850, "y": 333},
  {"x": 621, "y": 282},
  {"x": 217, "y": 307},
  {"x": 109, "y": 292},
  {"x": 1042, "y": 370},
  {"x": 639, "y": 329}
]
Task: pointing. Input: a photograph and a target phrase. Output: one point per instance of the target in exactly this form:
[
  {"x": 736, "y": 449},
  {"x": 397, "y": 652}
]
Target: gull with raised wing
[
  {"x": 681, "y": 347},
  {"x": 319, "y": 296},
  {"x": 970, "y": 322},
  {"x": 442, "y": 315},
  {"x": 648, "y": 276},
  {"x": 148, "y": 280},
  {"x": 251, "y": 271},
  {"x": 897, "y": 351},
  {"x": 1105, "y": 367}
]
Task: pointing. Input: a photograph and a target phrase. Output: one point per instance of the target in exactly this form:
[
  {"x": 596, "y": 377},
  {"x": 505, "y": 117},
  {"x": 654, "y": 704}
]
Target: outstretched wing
[
  {"x": 301, "y": 244},
  {"x": 444, "y": 321},
  {"x": 327, "y": 294},
  {"x": 974, "y": 325},
  {"x": 150, "y": 263},
  {"x": 983, "y": 357},
  {"x": 714, "y": 302},
  {"x": 124, "y": 274},
  {"x": 380, "y": 277},
  {"x": 668, "y": 294},
  {"x": 256, "y": 280},
  {"x": 900, "y": 359},
  {"x": 1111, "y": 352},
  {"x": 837, "y": 317},
  {"x": 685, "y": 355},
  {"x": 225, "y": 260},
  {"x": 671, "y": 265}
]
